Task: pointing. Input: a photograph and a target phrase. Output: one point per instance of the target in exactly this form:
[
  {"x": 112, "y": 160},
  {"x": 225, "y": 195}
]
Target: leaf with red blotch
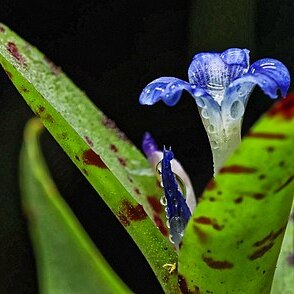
[
  {"x": 109, "y": 161},
  {"x": 234, "y": 237}
]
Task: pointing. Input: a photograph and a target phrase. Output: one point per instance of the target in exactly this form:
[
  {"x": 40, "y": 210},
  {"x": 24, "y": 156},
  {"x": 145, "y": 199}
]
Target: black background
[{"x": 112, "y": 49}]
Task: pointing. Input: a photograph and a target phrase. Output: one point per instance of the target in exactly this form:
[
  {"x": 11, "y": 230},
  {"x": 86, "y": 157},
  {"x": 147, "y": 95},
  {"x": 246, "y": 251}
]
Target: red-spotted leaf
[
  {"x": 284, "y": 275},
  {"x": 111, "y": 163},
  {"x": 233, "y": 240}
]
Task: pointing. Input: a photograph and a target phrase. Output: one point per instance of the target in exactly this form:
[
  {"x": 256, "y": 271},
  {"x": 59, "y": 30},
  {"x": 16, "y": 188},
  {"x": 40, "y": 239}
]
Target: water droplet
[
  {"x": 167, "y": 224},
  {"x": 214, "y": 144},
  {"x": 210, "y": 128},
  {"x": 237, "y": 109},
  {"x": 163, "y": 200},
  {"x": 204, "y": 113},
  {"x": 200, "y": 102}
]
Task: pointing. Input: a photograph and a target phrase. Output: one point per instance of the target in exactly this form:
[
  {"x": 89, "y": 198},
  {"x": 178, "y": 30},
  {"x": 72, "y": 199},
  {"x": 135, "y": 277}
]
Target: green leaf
[
  {"x": 114, "y": 167},
  {"x": 284, "y": 275},
  {"x": 233, "y": 240},
  {"x": 67, "y": 260}
]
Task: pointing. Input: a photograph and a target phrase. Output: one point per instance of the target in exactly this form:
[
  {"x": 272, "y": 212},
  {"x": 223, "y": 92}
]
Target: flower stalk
[{"x": 223, "y": 143}]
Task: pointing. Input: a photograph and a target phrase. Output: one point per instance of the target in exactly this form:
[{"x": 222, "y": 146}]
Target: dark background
[{"x": 112, "y": 49}]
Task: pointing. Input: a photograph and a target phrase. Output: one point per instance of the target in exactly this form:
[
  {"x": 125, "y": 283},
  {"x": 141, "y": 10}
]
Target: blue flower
[{"x": 221, "y": 84}]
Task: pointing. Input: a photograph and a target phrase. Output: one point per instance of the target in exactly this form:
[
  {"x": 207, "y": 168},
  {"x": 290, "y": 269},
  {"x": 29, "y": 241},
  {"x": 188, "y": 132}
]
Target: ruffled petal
[
  {"x": 215, "y": 71},
  {"x": 167, "y": 89},
  {"x": 236, "y": 56},
  {"x": 155, "y": 155},
  {"x": 270, "y": 75}
]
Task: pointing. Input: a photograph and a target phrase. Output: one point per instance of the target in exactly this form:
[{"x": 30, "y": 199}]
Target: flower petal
[
  {"x": 177, "y": 210},
  {"x": 149, "y": 145},
  {"x": 271, "y": 75},
  {"x": 236, "y": 56},
  {"x": 215, "y": 71},
  {"x": 154, "y": 156},
  {"x": 167, "y": 89}
]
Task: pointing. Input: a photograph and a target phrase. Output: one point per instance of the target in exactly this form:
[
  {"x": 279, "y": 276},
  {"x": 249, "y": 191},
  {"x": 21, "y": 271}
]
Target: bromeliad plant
[{"x": 228, "y": 244}]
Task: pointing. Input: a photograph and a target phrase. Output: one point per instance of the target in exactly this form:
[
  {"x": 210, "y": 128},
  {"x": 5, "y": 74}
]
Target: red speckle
[
  {"x": 137, "y": 191},
  {"x": 283, "y": 108},
  {"x": 262, "y": 241},
  {"x": 159, "y": 223},
  {"x": 9, "y": 74},
  {"x": 13, "y": 50},
  {"x": 130, "y": 213},
  {"x": 237, "y": 169},
  {"x": 261, "y": 135},
  {"x": 130, "y": 179},
  {"x": 155, "y": 204},
  {"x": 56, "y": 70},
  {"x": 284, "y": 185},
  {"x": 207, "y": 221},
  {"x": 89, "y": 141},
  {"x": 238, "y": 200},
  {"x": 270, "y": 149},
  {"x": 63, "y": 136},
  {"x": 211, "y": 185},
  {"x": 203, "y": 220},
  {"x": 40, "y": 109},
  {"x": 24, "y": 89},
  {"x": 258, "y": 196},
  {"x": 110, "y": 124},
  {"x": 113, "y": 148},
  {"x": 217, "y": 227},
  {"x": 184, "y": 287},
  {"x": 183, "y": 284},
  {"x": 261, "y": 251},
  {"x": 91, "y": 158},
  {"x": 49, "y": 118},
  {"x": 2, "y": 29},
  {"x": 270, "y": 237},
  {"x": 123, "y": 219},
  {"x": 217, "y": 264},
  {"x": 122, "y": 161},
  {"x": 202, "y": 236},
  {"x": 211, "y": 199},
  {"x": 77, "y": 158},
  {"x": 261, "y": 177},
  {"x": 290, "y": 259}
]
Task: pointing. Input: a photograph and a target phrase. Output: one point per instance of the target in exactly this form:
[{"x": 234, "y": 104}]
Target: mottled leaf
[
  {"x": 284, "y": 275},
  {"x": 67, "y": 260},
  {"x": 113, "y": 166},
  {"x": 233, "y": 240}
]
